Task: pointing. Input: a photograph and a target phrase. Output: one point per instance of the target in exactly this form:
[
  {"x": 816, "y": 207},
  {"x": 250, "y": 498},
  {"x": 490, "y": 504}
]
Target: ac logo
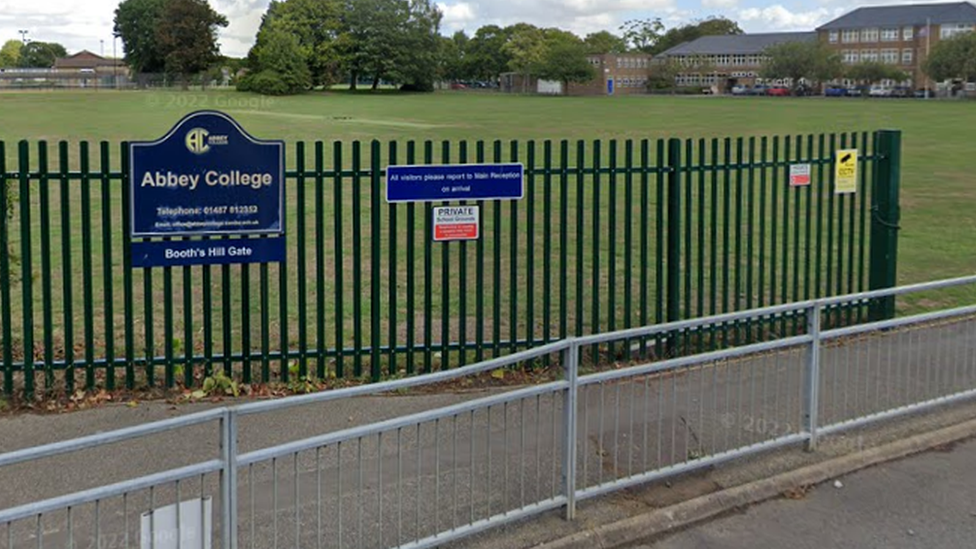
[{"x": 196, "y": 141}]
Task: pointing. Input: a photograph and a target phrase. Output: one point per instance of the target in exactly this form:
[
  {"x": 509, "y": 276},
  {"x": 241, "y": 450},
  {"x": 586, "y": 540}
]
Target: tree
[
  {"x": 454, "y": 57},
  {"x": 187, "y": 37},
  {"x": 10, "y": 53},
  {"x": 711, "y": 26},
  {"x": 872, "y": 72},
  {"x": 525, "y": 48},
  {"x": 602, "y": 42},
  {"x": 281, "y": 67},
  {"x": 486, "y": 52},
  {"x": 316, "y": 25},
  {"x": 419, "y": 56},
  {"x": 40, "y": 54},
  {"x": 953, "y": 58},
  {"x": 136, "y": 22},
  {"x": 663, "y": 74},
  {"x": 564, "y": 59},
  {"x": 642, "y": 34},
  {"x": 796, "y": 61}
]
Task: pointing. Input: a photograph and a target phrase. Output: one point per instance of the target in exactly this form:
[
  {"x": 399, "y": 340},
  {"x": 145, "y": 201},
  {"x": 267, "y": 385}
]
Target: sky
[{"x": 87, "y": 24}]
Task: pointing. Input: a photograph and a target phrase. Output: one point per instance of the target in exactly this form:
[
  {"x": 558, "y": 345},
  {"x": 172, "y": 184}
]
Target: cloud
[
  {"x": 777, "y": 17},
  {"x": 457, "y": 15},
  {"x": 720, "y": 4}
]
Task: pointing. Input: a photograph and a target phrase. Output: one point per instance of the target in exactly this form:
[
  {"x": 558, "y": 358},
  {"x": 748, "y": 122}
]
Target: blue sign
[
  {"x": 610, "y": 86},
  {"x": 454, "y": 182},
  {"x": 216, "y": 251},
  {"x": 207, "y": 176}
]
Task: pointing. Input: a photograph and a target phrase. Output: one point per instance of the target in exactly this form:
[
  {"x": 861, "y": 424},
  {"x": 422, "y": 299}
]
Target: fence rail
[
  {"x": 444, "y": 472},
  {"x": 610, "y": 235}
]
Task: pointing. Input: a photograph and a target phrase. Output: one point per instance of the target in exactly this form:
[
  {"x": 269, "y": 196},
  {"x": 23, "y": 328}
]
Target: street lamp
[
  {"x": 115, "y": 63},
  {"x": 23, "y": 35},
  {"x": 101, "y": 46}
]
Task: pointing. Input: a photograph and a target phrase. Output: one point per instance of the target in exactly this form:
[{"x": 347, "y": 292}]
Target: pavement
[
  {"x": 924, "y": 501},
  {"x": 411, "y": 482}
]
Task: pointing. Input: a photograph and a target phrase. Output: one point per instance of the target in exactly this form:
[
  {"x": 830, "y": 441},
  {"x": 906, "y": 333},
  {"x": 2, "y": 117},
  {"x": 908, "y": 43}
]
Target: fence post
[
  {"x": 673, "y": 267},
  {"x": 811, "y": 392},
  {"x": 570, "y": 360},
  {"x": 228, "y": 480},
  {"x": 885, "y": 216}
]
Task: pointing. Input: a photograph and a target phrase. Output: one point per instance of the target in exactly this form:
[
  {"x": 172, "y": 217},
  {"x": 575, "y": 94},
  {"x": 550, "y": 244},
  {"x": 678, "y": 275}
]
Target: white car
[
  {"x": 879, "y": 91},
  {"x": 740, "y": 90}
]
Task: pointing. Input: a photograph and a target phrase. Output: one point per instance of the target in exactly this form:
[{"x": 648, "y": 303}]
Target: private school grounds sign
[{"x": 213, "y": 187}]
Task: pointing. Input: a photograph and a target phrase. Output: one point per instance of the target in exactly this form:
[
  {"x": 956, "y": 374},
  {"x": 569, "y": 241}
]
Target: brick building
[
  {"x": 623, "y": 74},
  {"x": 897, "y": 35},
  {"x": 721, "y": 62}
]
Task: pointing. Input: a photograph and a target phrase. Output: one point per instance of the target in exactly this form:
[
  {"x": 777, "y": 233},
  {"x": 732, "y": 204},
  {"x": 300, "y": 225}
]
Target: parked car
[
  {"x": 924, "y": 93},
  {"x": 740, "y": 90},
  {"x": 857, "y": 91},
  {"x": 835, "y": 91},
  {"x": 779, "y": 91},
  {"x": 879, "y": 91},
  {"x": 901, "y": 91},
  {"x": 758, "y": 89},
  {"x": 458, "y": 86}
]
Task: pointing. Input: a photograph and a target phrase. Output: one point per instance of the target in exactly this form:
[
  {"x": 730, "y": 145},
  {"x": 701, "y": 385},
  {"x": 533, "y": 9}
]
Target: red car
[{"x": 780, "y": 91}]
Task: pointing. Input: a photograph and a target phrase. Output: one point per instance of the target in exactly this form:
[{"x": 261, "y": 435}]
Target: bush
[{"x": 267, "y": 82}]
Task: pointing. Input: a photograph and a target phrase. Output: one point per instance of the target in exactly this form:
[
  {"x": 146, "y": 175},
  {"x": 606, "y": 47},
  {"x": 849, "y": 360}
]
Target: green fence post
[
  {"x": 673, "y": 297},
  {"x": 885, "y": 215}
]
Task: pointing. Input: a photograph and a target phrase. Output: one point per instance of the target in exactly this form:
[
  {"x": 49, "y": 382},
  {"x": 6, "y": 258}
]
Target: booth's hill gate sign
[{"x": 207, "y": 179}]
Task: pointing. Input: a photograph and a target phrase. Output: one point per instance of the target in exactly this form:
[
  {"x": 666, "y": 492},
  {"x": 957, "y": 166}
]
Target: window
[
  {"x": 889, "y": 56},
  {"x": 908, "y": 34},
  {"x": 906, "y": 57},
  {"x": 952, "y": 29},
  {"x": 620, "y": 63},
  {"x": 869, "y": 55},
  {"x": 849, "y": 36},
  {"x": 833, "y": 37},
  {"x": 869, "y": 35},
  {"x": 851, "y": 57},
  {"x": 889, "y": 35}
]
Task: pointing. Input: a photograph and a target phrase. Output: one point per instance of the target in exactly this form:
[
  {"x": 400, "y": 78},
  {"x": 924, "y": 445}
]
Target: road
[
  {"x": 406, "y": 483},
  {"x": 924, "y": 501}
]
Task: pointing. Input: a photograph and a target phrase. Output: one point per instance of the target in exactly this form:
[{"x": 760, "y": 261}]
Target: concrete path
[
  {"x": 925, "y": 501},
  {"x": 382, "y": 490}
]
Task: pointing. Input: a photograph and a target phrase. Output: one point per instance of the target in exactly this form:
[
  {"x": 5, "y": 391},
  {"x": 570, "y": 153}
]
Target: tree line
[{"x": 16, "y": 54}]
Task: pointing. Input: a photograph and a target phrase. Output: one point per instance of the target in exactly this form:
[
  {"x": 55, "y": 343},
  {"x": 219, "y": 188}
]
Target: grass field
[
  {"x": 938, "y": 191},
  {"x": 939, "y": 162}
]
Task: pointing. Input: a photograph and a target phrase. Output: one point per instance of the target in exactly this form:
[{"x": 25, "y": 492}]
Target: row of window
[
  {"x": 624, "y": 62},
  {"x": 630, "y": 82},
  {"x": 888, "y": 55},
  {"x": 853, "y": 36},
  {"x": 725, "y": 60},
  {"x": 907, "y": 34}
]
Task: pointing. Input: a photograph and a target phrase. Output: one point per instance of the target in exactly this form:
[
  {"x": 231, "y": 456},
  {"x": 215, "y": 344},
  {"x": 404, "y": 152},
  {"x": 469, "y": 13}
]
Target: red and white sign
[
  {"x": 456, "y": 223},
  {"x": 799, "y": 175}
]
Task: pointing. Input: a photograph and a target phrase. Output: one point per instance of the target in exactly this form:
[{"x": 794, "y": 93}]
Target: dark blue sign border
[
  {"x": 133, "y": 171},
  {"x": 456, "y": 182}
]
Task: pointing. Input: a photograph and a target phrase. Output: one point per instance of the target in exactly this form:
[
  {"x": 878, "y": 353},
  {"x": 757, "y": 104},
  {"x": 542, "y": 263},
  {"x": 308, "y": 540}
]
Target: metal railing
[{"x": 460, "y": 464}]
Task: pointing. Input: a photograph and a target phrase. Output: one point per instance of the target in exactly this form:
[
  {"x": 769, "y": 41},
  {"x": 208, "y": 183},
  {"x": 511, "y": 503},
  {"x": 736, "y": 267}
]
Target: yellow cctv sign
[{"x": 845, "y": 171}]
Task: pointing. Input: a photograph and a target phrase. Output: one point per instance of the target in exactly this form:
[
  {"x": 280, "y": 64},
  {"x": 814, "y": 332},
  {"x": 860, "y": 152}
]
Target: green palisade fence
[{"x": 610, "y": 235}]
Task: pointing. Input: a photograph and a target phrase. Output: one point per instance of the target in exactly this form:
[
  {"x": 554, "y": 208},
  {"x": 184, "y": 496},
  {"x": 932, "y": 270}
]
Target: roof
[
  {"x": 738, "y": 43},
  {"x": 85, "y": 60},
  {"x": 905, "y": 15}
]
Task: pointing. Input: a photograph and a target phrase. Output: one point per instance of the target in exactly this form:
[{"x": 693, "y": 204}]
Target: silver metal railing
[{"x": 448, "y": 466}]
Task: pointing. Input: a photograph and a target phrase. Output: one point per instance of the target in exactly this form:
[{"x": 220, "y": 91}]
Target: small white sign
[
  {"x": 799, "y": 175},
  {"x": 456, "y": 223},
  {"x": 159, "y": 527}
]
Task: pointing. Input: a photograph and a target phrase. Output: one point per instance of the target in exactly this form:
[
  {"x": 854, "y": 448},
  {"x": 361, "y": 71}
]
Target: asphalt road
[
  {"x": 925, "y": 501},
  {"x": 408, "y": 483}
]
